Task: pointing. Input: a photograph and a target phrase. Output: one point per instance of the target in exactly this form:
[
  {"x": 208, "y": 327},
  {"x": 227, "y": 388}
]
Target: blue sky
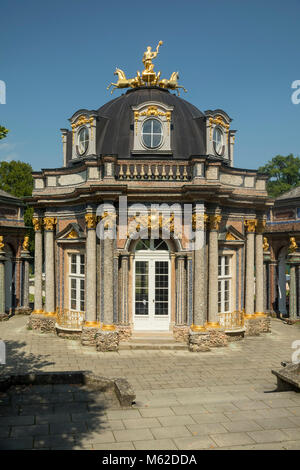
[{"x": 240, "y": 55}]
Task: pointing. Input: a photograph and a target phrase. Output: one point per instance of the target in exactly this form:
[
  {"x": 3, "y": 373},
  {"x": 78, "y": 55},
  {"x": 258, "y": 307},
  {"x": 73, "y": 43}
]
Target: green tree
[
  {"x": 16, "y": 179},
  {"x": 3, "y": 132},
  {"x": 283, "y": 173}
]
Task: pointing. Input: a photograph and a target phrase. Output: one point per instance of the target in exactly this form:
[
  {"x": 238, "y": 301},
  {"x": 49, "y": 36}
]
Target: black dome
[{"x": 116, "y": 124}]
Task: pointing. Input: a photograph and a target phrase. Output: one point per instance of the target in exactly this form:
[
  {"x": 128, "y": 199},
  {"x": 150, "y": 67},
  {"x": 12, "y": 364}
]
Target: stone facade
[
  {"x": 107, "y": 341},
  {"x": 204, "y": 341}
]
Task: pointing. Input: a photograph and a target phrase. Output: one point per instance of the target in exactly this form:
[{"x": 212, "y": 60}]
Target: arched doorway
[{"x": 151, "y": 285}]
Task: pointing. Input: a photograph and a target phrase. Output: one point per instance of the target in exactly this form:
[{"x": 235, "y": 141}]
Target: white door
[{"x": 151, "y": 290}]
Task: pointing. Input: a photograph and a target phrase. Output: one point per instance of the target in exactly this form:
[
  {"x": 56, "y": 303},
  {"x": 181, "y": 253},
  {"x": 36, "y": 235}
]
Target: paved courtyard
[{"x": 222, "y": 399}]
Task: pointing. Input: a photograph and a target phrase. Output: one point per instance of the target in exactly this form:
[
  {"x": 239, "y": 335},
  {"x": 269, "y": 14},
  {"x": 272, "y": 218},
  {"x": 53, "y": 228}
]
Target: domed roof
[{"x": 116, "y": 123}]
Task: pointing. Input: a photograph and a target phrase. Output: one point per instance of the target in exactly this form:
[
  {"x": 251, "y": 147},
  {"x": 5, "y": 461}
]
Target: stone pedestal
[
  {"x": 124, "y": 331},
  {"x": 204, "y": 341},
  {"x": 256, "y": 325},
  {"x": 41, "y": 322},
  {"x": 107, "y": 341},
  {"x": 88, "y": 336},
  {"x": 181, "y": 333}
]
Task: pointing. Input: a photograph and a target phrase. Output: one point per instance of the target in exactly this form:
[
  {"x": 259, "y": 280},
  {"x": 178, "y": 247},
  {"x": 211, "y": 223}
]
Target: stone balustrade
[
  {"x": 232, "y": 321},
  {"x": 153, "y": 171}
]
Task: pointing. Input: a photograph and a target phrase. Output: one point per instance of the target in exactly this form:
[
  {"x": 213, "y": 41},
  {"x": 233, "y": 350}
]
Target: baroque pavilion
[{"x": 141, "y": 176}]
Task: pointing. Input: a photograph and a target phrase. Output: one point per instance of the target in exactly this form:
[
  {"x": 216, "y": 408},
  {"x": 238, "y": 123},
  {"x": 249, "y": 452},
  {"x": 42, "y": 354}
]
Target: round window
[
  {"x": 152, "y": 133},
  {"x": 83, "y": 140},
  {"x": 218, "y": 139}
]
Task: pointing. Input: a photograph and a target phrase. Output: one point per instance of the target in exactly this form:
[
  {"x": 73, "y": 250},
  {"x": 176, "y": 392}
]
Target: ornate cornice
[
  {"x": 250, "y": 225},
  {"x": 49, "y": 223},
  {"x": 37, "y": 224},
  {"x": 214, "y": 221},
  {"x": 91, "y": 221}
]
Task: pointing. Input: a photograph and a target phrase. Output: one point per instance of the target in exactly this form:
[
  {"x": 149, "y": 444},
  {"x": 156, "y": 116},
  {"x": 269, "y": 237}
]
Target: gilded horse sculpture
[
  {"x": 172, "y": 83},
  {"x": 123, "y": 82}
]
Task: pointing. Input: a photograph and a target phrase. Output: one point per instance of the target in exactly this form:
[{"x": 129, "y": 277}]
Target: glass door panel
[
  {"x": 161, "y": 288},
  {"x": 142, "y": 288}
]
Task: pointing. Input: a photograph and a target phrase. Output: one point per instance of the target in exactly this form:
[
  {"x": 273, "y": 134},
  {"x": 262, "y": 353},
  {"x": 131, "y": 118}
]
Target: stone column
[
  {"x": 250, "y": 225},
  {"x": 91, "y": 272},
  {"x": 25, "y": 256},
  {"x": 38, "y": 265},
  {"x": 2, "y": 279},
  {"x": 180, "y": 291},
  {"x": 200, "y": 279},
  {"x": 259, "y": 267},
  {"x": 49, "y": 224},
  {"x": 294, "y": 262},
  {"x": 124, "y": 289},
  {"x": 108, "y": 290},
  {"x": 213, "y": 258},
  {"x": 267, "y": 289},
  {"x": 189, "y": 288}
]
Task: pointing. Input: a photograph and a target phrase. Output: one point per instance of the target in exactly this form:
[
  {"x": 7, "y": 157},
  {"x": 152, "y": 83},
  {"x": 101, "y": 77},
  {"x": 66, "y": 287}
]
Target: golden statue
[
  {"x": 148, "y": 76},
  {"x": 1, "y": 243},
  {"x": 266, "y": 244},
  {"x": 26, "y": 243},
  {"x": 293, "y": 245}
]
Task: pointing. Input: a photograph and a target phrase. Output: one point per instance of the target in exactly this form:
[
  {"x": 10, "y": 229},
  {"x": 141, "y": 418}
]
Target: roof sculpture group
[{"x": 148, "y": 76}]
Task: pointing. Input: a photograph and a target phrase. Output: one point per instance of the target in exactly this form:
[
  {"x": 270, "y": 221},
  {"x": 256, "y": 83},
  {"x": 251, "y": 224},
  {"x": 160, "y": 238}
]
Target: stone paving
[{"x": 223, "y": 399}]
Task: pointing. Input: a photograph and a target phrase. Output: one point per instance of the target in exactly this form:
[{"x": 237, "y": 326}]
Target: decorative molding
[
  {"x": 73, "y": 234},
  {"x": 230, "y": 237},
  {"x": 218, "y": 121},
  {"x": 152, "y": 111}
]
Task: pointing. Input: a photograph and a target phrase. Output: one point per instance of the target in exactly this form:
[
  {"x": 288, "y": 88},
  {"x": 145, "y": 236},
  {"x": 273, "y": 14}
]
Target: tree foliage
[
  {"x": 283, "y": 173},
  {"x": 3, "y": 132},
  {"x": 16, "y": 179}
]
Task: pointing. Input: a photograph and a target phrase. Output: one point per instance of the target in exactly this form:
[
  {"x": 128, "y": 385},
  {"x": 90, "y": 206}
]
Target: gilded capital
[
  {"x": 199, "y": 221},
  {"x": 250, "y": 225},
  {"x": 214, "y": 221},
  {"x": 50, "y": 222},
  {"x": 37, "y": 224},
  {"x": 261, "y": 225},
  {"x": 2, "y": 244},
  {"x": 91, "y": 221}
]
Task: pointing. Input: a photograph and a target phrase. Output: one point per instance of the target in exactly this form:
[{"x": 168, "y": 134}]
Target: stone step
[{"x": 152, "y": 345}]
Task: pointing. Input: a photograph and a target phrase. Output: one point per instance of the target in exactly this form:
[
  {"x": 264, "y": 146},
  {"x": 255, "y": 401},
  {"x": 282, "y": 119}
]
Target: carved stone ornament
[
  {"x": 49, "y": 223},
  {"x": 214, "y": 221},
  {"x": 37, "y": 223},
  {"x": 91, "y": 221},
  {"x": 250, "y": 225}
]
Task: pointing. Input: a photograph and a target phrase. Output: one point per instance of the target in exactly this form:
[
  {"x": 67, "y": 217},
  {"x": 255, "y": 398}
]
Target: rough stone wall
[
  {"x": 181, "y": 333},
  {"x": 107, "y": 341},
  {"x": 23, "y": 311},
  {"x": 88, "y": 336},
  {"x": 42, "y": 322},
  {"x": 212, "y": 338},
  {"x": 124, "y": 331},
  {"x": 257, "y": 325},
  {"x": 75, "y": 335}
]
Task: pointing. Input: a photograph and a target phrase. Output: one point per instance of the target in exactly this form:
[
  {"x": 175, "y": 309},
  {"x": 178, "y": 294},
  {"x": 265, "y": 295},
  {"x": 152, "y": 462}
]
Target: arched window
[
  {"x": 151, "y": 245},
  {"x": 152, "y": 133}
]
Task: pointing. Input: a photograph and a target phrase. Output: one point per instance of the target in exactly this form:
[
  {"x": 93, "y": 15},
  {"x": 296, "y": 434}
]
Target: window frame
[
  {"x": 223, "y": 278},
  {"x": 88, "y": 140},
  {"x": 152, "y": 119},
  {"x": 218, "y": 129},
  {"x": 78, "y": 276}
]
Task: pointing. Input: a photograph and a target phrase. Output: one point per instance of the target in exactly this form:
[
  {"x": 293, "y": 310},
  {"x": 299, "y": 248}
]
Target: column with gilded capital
[
  {"x": 259, "y": 268},
  {"x": 124, "y": 289},
  {"x": 108, "y": 285},
  {"x": 91, "y": 271},
  {"x": 250, "y": 225},
  {"x": 213, "y": 257},
  {"x": 38, "y": 264},
  {"x": 49, "y": 227},
  {"x": 200, "y": 275}
]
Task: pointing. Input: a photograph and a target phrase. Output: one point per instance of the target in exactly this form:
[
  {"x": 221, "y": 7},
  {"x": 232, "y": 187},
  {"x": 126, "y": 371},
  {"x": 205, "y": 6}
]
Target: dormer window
[
  {"x": 218, "y": 140},
  {"x": 152, "y": 128},
  {"x": 82, "y": 141},
  {"x": 152, "y": 133}
]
